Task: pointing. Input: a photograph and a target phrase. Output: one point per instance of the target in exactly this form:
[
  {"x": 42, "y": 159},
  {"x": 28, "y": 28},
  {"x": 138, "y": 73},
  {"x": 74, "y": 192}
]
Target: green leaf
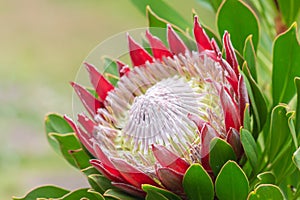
[
  {"x": 111, "y": 70},
  {"x": 81, "y": 159},
  {"x": 67, "y": 142},
  {"x": 220, "y": 153},
  {"x": 250, "y": 56},
  {"x": 99, "y": 182},
  {"x": 296, "y": 158},
  {"x": 297, "y": 84},
  {"x": 213, "y": 3},
  {"x": 286, "y": 61},
  {"x": 240, "y": 21},
  {"x": 266, "y": 192},
  {"x": 289, "y": 10},
  {"x": 118, "y": 195},
  {"x": 279, "y": 131},
  {"x": 258, "y": 103},
  {"x": 265, "y": 178},
  {"x": 153, "y": 195},
  {"x": 293, "y": 129},
  {"x": 89, "y": 171},
  {"x": 55, "y": 123},
  {"x": 164, "y": 10},
  {"x": 47, "y": 191},
  {"x": 84, "y": 193},
  {"x": 169, "y": 195},
  {"x": 197, "y": 183},
  {"x": 231, "y": 183},
  {"x": 250, "y": 147},
  {"x": 247, "y": 118}
]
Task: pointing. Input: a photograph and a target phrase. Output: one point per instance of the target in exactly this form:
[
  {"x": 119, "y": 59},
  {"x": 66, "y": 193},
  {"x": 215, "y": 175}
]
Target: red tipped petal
[
  {"x": 230, "y": 54},
  {"x": 138, "y": 54},
  {"x": 233, "y": 83},
  {"x": 233, "y": 138},
  {"x": 229, "y": 69},
  {"x": 132, "y": 175},
  {"x": 90, "y": 103},
  {"x": 230, "y": 110},
  {"x": 122, "y": 68},
  {"x": 168, "y": 159},
  {"x": 197, "y": 120},
  {"x": 215, "y": 46},
  {"x": 171, "y": 179},
  {"x": 101, "y": 85},
  {"x": 158, "y": 48},
  {"x": 176, "y": 45},
  {"x": 207, "y": 134},
  {"x": 87, "y": 123},
  {"x": 243, "y": 97},
  {"x": 107, "y": 171},
  {"x": 102, "y": 157},
  {"x": 130, "y": 189},
  {"x": 84, "y": 138},
  {"x": 203, "y": 42}
]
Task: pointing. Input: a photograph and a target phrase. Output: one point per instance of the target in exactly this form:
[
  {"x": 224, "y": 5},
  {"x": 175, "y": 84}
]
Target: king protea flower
[{"x": 163, "y": 112}]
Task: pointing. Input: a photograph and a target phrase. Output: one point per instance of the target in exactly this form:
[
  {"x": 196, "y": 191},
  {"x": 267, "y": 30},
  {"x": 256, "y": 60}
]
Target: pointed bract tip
[
  {"x": 72, "y": 84},
  {"x": 196, "y": 19},
  {"x": 70, "y": 122}
]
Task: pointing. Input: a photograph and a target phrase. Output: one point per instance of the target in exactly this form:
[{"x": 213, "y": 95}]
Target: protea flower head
[{"x": 163, "y": 112}]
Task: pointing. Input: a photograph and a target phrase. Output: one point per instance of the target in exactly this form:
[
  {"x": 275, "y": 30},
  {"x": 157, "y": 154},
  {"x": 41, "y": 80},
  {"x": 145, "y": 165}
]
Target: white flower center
[
  {"x": 160, "y": 116},
  {"x": 150, "y": 105}
]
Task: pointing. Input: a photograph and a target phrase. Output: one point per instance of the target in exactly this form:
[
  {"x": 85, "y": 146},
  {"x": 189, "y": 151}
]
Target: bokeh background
[{"x": 42, "y": 45}]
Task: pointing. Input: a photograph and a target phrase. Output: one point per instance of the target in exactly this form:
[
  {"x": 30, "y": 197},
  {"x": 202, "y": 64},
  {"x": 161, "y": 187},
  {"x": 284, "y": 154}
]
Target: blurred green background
[{"x": 42, "y": 45}]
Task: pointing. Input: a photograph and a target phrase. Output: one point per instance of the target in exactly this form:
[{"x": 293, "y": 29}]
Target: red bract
[{"x": 164, "y": 111}]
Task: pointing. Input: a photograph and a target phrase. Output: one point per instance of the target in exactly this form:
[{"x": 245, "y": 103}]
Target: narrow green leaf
[
  {"x": 250, "y": 147},
  {"x": 67, "y": 142},
  {"x": 289, "y": 10},
  {"x": 247, "y": 118},
  {"x": 282, "y": 166},
  {"x": 293, "y": 129},
  {"x": 250, "y": 56},
  {"x": 164, "y": 10},
  {"x": 266, "y": 192},
  {"x": 240, "y": 21},
  {"x": 47, "y": 191},
  {"x": 84, "y": 193},
  {"x": 118, "y": 195},
  {"x": 279, "y": 131},
  {"x": 54, "y": 123},
  {"x": 111, "y": 70},
  {"x": 231, "y": 183},
  {"x": 297, "y": 83},
  {"x": 220, "y": 153},
  {"x": 197, "y": 183},
  {"x": 296, "y": 158},
  {"x": 169, "y": 195},
  {"x": 258, "y": 103},
  {"x": 286, "y": 61}
]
